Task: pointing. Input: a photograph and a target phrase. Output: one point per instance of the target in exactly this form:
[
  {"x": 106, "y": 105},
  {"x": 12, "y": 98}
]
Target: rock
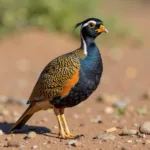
[
  {"x": 31, "y": 135},
  {"x": 105, "y": 137},
  {"x": 108, "y": 99},
  {"x": 129, "y": 141},
  {"x": 34, "y": 147},
  {"x": 145, "y": 128},
  {"x": 13, "y": 143},
  {"x": 111, "y": 129},
  {"x": 70, "y": 142},
  {"x": 74, "y": 143},
  {"x": 120, "y": 104},
  {"x": 136, "y": 125},
  {"x": 1, "y": 132},
  {"x": 129, "y": 132},
  {"x": 109, "y": 110}
]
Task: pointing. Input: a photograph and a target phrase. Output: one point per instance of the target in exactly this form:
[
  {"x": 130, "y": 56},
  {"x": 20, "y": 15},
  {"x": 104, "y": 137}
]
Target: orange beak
[{"x": 102, "y": 29}]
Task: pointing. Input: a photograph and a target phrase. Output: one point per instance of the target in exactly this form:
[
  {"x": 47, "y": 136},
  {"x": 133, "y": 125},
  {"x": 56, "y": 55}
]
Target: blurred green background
[{"x": 59, "y": 15}]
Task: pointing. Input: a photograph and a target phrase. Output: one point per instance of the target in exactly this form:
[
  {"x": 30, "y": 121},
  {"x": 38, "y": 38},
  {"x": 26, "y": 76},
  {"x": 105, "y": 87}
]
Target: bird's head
[{"x": 91, "y": 27}]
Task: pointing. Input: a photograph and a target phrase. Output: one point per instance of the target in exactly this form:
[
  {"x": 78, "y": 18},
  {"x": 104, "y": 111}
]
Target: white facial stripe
[
  {"x": 86, "y": 24},
  {"x": 84, "y": 46}
]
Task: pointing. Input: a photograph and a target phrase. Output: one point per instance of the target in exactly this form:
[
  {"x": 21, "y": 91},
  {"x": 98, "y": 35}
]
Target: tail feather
[{"x": 24, "y": 118}]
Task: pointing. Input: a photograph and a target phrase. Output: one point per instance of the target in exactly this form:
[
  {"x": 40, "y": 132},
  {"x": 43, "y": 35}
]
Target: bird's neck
[{"x": 86, "y": 43}]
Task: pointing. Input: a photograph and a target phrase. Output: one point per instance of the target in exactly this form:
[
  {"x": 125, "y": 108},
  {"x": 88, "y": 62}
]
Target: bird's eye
[{"x": 91, "y": 25}]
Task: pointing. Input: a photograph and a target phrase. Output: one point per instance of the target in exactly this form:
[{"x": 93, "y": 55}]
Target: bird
[{"x": 68, "y": 79}]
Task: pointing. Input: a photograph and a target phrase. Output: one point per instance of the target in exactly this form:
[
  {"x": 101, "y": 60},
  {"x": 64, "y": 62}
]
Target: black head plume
[{"x": 78, "y": 24}]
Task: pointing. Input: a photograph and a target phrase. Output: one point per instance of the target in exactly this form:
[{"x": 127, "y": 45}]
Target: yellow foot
[
  {"x": 70, "y": 135},
  {"x": 65, "y": 135}
]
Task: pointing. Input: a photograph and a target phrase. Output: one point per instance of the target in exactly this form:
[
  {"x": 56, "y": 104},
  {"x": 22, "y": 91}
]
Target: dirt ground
[{"x": 126, "y": 75}]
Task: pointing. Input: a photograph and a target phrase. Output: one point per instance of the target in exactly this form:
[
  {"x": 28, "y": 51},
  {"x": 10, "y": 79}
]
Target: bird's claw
[{"x": 66, "y": 135}]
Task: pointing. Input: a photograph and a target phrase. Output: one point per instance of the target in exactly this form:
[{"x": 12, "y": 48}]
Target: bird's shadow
[{"x": 5, "y": 127}]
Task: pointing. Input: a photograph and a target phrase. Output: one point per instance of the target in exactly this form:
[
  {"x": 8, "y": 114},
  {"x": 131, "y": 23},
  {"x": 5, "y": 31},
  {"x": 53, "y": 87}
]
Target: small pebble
[
  {"x": 145, "y": 128},
  {"x": 31, "y": 135},
  {"x": 105, "y": 137},
  {"x": 70, "y": 142},
  {"x": 141, "y": 135},
  {"x": 1, "y": 132},
  {"x": 74, "y": 143},
  {"x": 34, "y": 147},
  {"x": 136, "y": 125},
  {"x": 129, "y": 141},
  {"x": 109, "y": 110},
  {"x": 13, "y": 143},
  {"x": 129, "y": 132},
  {"x": 120, "y": 104},
  {"x": 111, "y": 129}
]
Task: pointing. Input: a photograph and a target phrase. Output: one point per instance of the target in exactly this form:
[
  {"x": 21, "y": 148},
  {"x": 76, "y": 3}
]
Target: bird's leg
[
  {"x": 66, "y": 129},
  {"x": 61, "y": 129}
]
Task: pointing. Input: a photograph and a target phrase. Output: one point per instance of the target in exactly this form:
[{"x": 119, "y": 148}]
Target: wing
[{"x": 57, "y": 79}]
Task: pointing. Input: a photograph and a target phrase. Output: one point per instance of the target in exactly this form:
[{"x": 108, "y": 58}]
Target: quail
[{"x": 68, "y": 79}]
